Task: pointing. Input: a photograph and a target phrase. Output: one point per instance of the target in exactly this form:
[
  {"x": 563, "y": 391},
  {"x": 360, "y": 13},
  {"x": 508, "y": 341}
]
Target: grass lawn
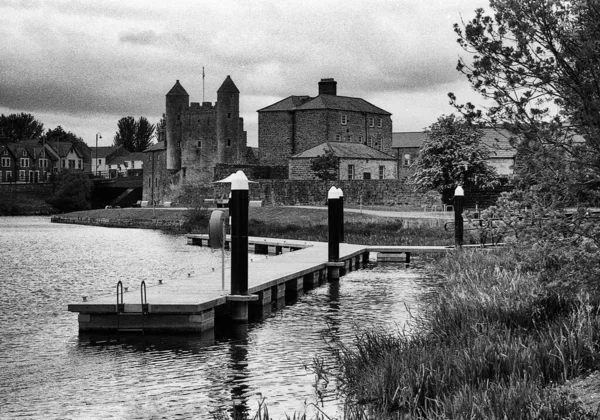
[{"x": 295, "y": 223}]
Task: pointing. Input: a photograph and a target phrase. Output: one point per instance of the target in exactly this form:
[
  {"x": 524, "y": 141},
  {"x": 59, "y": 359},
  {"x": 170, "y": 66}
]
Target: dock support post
[
  {"x": 334, "y": 270},
  {"x": 459, "y": 194},
  {"x": 333, "y": 202},
  {"x": 341, "y": 214},
  {"x": 238, "y": 203}
]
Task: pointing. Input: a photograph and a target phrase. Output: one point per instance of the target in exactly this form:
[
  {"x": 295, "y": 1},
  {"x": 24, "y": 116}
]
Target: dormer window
[
  {"x": 5, "y": 152},
  {"x": 24, "y": 152},
  {"x": 344, "y": 119}
]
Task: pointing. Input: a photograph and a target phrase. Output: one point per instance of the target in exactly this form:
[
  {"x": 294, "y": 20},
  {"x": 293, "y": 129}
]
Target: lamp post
[{"x": 98, "y": 135}]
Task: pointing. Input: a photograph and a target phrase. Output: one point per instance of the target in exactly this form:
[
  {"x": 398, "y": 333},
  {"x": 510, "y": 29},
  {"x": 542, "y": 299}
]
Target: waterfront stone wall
[{"x": 120, "y": 223}]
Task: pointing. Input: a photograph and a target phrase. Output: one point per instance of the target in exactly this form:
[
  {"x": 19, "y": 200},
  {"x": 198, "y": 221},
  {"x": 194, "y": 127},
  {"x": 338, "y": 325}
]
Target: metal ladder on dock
[{"x": 121, "y": 309}]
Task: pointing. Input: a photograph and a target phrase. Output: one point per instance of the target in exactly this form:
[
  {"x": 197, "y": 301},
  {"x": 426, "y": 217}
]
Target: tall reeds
[{"x": 490, "y": 344}]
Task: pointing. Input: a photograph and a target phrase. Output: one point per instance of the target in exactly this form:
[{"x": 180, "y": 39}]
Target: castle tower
[
  {"x": 228, "y": 115},
  {"x": 178, "y": 101}
]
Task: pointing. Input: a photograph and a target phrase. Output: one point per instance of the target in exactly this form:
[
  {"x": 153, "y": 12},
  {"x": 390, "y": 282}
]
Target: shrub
[{"x": 72, "y": 191}]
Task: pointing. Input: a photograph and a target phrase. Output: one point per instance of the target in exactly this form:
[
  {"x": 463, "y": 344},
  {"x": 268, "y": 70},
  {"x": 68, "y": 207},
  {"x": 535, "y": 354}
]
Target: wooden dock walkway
[{"x": 192, "y": 304}]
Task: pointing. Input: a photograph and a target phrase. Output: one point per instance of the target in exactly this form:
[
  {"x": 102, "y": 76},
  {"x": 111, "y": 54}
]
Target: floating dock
[{"x": 186, "y": 306}]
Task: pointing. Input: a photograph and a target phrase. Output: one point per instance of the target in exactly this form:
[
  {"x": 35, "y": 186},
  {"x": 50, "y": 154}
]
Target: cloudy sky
[{"x": 83, "y": 65}]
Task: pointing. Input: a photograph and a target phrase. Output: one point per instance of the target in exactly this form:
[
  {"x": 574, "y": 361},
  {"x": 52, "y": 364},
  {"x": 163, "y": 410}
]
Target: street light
[{"x": 98, "y": 135}]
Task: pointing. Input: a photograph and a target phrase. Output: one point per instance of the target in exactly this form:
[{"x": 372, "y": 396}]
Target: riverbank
[
  {"x": 25, "y": 204},
  {"x": 276, "y": 222}
]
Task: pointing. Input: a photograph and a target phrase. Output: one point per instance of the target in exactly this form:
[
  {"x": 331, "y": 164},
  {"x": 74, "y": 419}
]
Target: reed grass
[{"x": 491, "y": 344}]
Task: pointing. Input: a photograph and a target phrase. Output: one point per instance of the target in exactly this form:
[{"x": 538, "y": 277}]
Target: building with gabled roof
[
  {"x": 355, "y": 161},
  {"x": 300, "y": 122},
  {"x": 407, "y": 146}
]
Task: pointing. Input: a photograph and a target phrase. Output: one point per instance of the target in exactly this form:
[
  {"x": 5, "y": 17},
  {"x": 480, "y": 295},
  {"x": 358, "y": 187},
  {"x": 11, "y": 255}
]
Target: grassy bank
[
  {"x": 25, "y": 204},
  {"x": 292, "y": 223},
  {"x": 492, "y": 344}
]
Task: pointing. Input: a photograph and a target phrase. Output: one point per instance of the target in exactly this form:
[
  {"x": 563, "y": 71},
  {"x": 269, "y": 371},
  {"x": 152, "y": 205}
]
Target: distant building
[
  {"x": 129, "y": 164},
  {"x": 102, "y": 156},
  {"x": 356, "y": 161},
  {"x": 407, "y": 147},
  {"x": 298, "y": 123},
  {"x": 34, "y": 161},
  {"x": 197, "y": 138}
]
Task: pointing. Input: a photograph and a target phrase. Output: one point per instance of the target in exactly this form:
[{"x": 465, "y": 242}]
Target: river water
[{"x": 48, "y": 371}]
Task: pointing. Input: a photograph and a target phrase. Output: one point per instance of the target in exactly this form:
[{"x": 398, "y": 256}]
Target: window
[
  {"x": 360, "y": 139},
  {"x": 349, "y": 137},
  {"x": 338, "y": 137},
  {"x": 199, "y": 143},
  {"x": 183, "y": 172},
  {"x": 350, "y": 171},
  {"x": 344, "y": 119},
  {"x": 24, "y": 162},
  {"x": 229, "y": 115},
  {"x": 43, "y": 163},
  {"x": 8, "y": 176},
  {"x": 379, "y": 122},
  {"x": 24, "y": 153},
  {"x": 80, "y": 164},
  {"x": 381, "y": 172},
  {"x": 5, "y": 153},
  {"x": 379, "y": 143},
  {"x": 367, "y": 175},
  {"x": 370, "y": 141},
  {"x": 63, "y": 163},
  {"x": 99, "y": 161},
  {"x": 21, "y": 175},
  {"x": 228, "y": 142},
  {"x": 407, "y": 159},
  {"x": 371, "y": 122},
  {"x": 179, "y": 118},
  {"x": 71, "y": 163},
  {"x": 5, "y": 162}
]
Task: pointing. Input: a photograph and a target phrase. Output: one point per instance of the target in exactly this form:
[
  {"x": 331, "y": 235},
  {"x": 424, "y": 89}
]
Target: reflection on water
[{"x": 48, "y": 371}]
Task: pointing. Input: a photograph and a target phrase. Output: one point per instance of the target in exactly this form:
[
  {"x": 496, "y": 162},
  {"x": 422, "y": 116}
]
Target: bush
[{"x": 72, "y": 192}]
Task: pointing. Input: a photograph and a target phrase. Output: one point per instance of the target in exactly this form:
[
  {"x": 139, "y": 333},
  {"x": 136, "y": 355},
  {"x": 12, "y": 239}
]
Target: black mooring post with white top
[
  {"x": 238, "y": 209},
  {"x": 239, "y": 234},
  {"x": 459, "y": 195},
  {"x": 333, "y": 213},
  {"x": 341, "y": 208}
]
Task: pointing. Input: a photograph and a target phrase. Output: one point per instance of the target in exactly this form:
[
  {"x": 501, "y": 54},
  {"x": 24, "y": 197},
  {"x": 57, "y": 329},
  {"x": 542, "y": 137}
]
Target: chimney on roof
[{"x": 327, "y": 87}]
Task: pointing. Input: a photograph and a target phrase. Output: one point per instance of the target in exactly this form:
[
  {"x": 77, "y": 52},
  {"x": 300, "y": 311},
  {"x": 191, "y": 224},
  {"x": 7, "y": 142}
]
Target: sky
[{"x": 84, "y": 65}]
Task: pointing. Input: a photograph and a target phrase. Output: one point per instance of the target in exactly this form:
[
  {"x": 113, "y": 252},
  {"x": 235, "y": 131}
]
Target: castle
[{"x": 197, "y": 138}]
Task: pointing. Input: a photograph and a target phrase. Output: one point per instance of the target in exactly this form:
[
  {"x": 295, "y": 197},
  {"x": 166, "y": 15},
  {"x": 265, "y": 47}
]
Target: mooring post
[
  {"x": 459, "y": 195},
  {"x": 333, "y": 202},
  {"x": 341, "y": 207},
  {"x": 239, "y": 248},
  {"x": 333, "y": 260}
]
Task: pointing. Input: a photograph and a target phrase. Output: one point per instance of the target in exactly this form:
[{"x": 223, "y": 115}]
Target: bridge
[{"x": 120, "y": 191}]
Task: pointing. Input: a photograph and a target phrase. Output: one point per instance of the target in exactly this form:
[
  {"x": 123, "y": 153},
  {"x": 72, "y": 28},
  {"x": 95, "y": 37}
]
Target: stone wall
[
  {"x": 275, "y": 137},
  {"x": 253, "y": 172},
  {"x": 290, "y": 192}
]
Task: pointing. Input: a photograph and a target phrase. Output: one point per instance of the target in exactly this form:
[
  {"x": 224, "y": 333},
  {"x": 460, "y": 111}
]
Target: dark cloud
[{"x": 141, "y": 38}]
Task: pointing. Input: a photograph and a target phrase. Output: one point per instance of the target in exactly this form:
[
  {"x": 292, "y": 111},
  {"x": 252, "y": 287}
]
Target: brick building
[
  {"x": 356, "y": 161},
  {"x": 299, "y": 123}
]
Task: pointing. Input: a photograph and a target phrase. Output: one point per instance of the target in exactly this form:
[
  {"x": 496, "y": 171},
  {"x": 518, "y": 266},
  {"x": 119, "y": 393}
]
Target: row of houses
[{"x": 33, "y": 161}]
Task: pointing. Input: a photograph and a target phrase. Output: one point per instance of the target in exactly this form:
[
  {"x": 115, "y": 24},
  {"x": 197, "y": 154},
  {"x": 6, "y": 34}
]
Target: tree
[
  {"x": 133, "y": 135},
  {"x": 59, "y": 135},
  {"x": 538, "y": 61},
  {"x": 326, "y": 166},
  {"x": 73, "y": 191},
  {"x": 451, "y": 155},
  {"x": 21, "y": 126}
]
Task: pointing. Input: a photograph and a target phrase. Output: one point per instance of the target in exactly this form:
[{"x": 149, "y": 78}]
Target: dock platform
[{"x": 185, "y": 306}]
